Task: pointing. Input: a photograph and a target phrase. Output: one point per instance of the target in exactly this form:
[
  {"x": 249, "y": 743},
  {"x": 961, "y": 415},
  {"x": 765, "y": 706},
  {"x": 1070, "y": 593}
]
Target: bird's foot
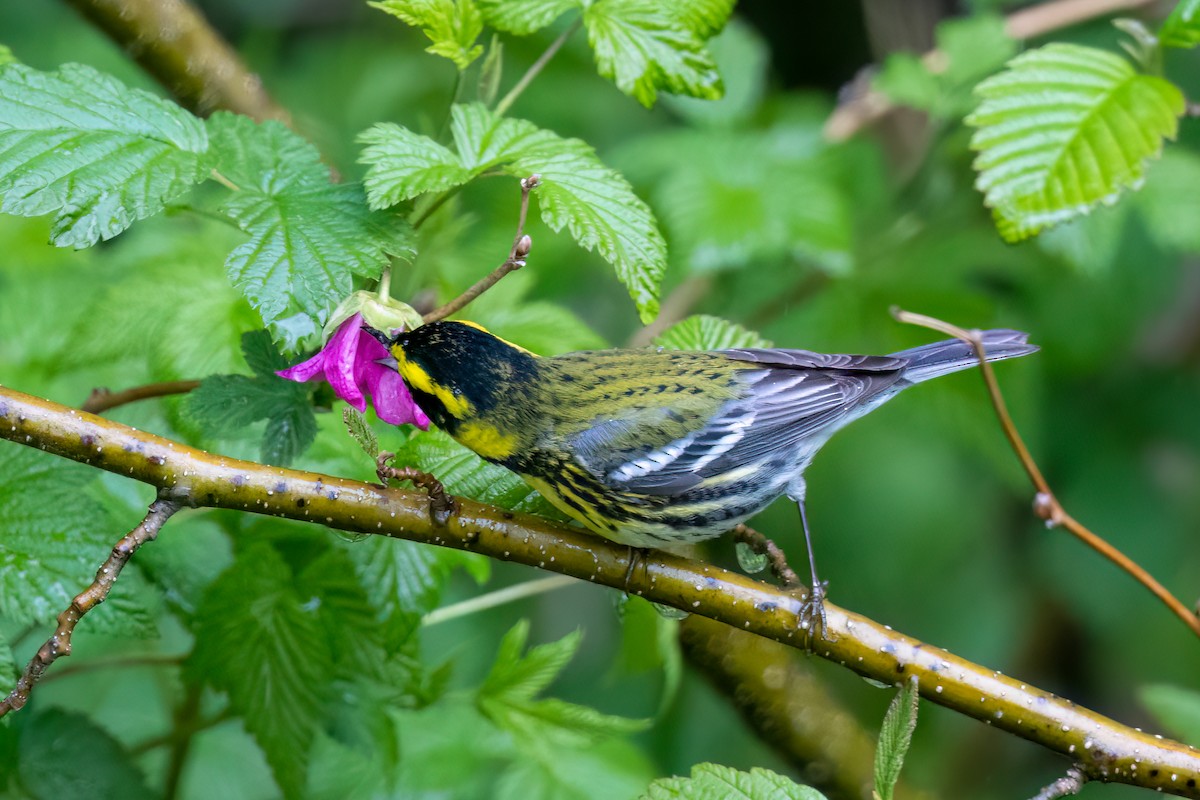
[
  {"x": 441, "y": 503},
  {"x": 813, "y": 621}
]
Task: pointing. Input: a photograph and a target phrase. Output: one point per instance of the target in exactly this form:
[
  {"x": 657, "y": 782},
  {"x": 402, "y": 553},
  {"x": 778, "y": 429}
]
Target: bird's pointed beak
[
  {"x": 389, "y": 362},
  {"x": 379, "y": 336}
]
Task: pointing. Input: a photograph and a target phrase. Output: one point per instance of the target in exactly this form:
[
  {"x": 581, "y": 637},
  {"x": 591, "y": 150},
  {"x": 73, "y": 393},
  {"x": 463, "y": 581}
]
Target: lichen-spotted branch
[{"x": 1103, "y": 749}]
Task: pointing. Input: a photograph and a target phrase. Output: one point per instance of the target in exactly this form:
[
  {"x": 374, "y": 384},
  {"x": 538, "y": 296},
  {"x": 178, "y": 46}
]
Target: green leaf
[
  {"x": 308, "y": 236},
  {"x": 51, "y": 762},
  {"x": 1177, "y": 709},
  {"x": 262, "y": 642},
  {"x": 1064, "y": 129},
  {"x": 743, "y": 58},
  {"x": 973, "y": 47},
  {"x": 519, "y": 675},
  {"x": 703, "y": 332},
  {"x": 895, "y": 736},
  {"x": 223, "y": 405},
  {"x": 357, "y": 426},
  {"x": 715, "y": 782},
  {"x": 644, "y": 46},
  {"x": 452, "y": 26},
  {"x": 523, "y": 17},
  {"x": 55, "y": 537},
  {"x": 1182, "y": 27},
  {"x": 508, "y": 696},
  {"x": 94, "y": 153},
  {"x": 7, "y": 56},
  {"x": 403, "y": 164},
  {"x": 596, "y": 204},
  {"x": 9, "y": 671},
  {"x": 906, "y": 80},
  {"x": 704, "y": 18},
  {"x": 491, "y": 72}
]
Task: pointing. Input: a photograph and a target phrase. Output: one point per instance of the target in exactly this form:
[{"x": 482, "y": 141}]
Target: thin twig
[
  {"x": 59, "y": 644},
  {"x": 101, "y": 399},
  {"x": 185, "y": 727},
  {"x": 117, "y": 662},
  {"x": 677, "y": 305},
  {"x": 1046, "y": 505},
  {"x": 776, "y": 558},
  {"x": 509, "y": 594},
  {"x": 535, "y": 68},
  {"x": 1069, "y": 784},
  {"x": 868, "y": 105},
  {"x": 516, "y": 260}
]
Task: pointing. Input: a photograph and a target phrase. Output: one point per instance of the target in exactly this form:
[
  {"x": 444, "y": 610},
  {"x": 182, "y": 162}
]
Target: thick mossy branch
[
  {"x": 1104, "y": 749},
  {"x": 173, "y": 42}
]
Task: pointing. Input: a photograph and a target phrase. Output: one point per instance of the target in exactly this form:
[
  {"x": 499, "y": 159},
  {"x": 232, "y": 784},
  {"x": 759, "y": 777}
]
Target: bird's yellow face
[{"x": 460, "y": 375}]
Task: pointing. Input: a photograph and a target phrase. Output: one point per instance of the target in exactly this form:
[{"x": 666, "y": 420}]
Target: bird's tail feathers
[{"x": 931, "y": 360}]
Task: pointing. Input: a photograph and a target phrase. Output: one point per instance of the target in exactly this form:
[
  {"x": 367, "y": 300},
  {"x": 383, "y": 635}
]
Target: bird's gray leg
[
  {"x": 814, "y": 607},
  {"x": 812, "y": 613}
]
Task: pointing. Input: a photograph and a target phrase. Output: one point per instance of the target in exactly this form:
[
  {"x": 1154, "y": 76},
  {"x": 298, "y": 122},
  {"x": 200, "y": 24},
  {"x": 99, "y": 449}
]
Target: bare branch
[
  {"x": 59, "y": 644},
  {"x": 1045, "y": 504},
  {"x": 101, "y": 399},
  {"x": 1105, "y": 749}
]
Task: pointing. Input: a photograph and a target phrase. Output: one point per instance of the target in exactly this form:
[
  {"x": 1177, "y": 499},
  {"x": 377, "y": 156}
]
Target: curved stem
[
  {"x": 1046, "y": 505},
  {"x": 509, "y": 594},
  {"x": 535, "y": 68},
  {"x": 1104, "y": 749},
  {"x": 101, "y": 399}
]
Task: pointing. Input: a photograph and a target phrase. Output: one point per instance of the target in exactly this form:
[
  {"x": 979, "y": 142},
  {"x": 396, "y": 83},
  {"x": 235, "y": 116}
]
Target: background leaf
[
  {"x": 895, "y": 737},
  {"x": 714, "y": 782},
  {"x": 308, "y": 236},
  {"x": 1182, "y": 27},
  {"x": 702, "y": 332},
  {"x": 263, "y": 643},
  {"x": 94, "y": 153},
  {"x": 1177, "y": 709},
  {"x": 1064, "y": 129},
  {"x": 452, "y": 26}
]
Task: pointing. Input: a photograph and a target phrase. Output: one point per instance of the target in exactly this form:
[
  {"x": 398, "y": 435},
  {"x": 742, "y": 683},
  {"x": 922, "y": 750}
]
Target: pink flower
[{"x": 349, "y": 362}]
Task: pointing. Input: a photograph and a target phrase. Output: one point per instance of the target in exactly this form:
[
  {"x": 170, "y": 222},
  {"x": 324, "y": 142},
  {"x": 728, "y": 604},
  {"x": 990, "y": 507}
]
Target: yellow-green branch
[{"x": 1104, "y": 749}]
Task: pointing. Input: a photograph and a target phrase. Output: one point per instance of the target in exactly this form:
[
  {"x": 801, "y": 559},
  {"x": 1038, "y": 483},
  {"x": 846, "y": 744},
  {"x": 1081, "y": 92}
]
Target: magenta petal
[
  {"x": 341, "y": 352},
  {"x": 392, "y": 401},
  {"x": 305, "y": 370}
]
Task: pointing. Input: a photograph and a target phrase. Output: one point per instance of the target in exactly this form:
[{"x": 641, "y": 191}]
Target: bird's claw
[
  {"x": 442, "y": 505},
  {"x": 813, "y": 621}
]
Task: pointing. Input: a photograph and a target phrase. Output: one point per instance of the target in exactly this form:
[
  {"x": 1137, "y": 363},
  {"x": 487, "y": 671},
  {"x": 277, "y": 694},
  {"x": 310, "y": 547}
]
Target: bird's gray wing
[{"x": 795, "y": 395}]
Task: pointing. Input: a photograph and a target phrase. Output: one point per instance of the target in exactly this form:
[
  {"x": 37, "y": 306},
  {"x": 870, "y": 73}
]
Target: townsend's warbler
[{"x": 649, "y": 447}]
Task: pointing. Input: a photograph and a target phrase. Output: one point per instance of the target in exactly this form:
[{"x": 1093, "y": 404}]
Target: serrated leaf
[
  {"x": 1176, "y": 708},
  {"x": 895, "y": 736},
  {"x": 704, "y": 18},
  {"x": 644, "y": 46},
  {"x": 743, "y": 58},
  {"x": 291, "y": 428},
  {"x": 262, "y": 643},
  {"x": 402, "y": 164},
  {"x": 452, "y": 26},
  {"x": 523, "y": 17},
  {"x": 9, "y": 671},
  {"x": 518, "y": 675},
  {"x": 51, "y": 762},
  {"x": 715, "y": 782},
  {"x": 356, "y": 425},
  {"x": 308, "y": 236},
  {"x": 263, "y": 358},
  {"x": 55, "y": 536},
  {"x": 704, "y": 332},
  {"x": 1064, "y": 129},
  {"x": 1182, "y": 27},
  {"x": 96, "y": 154}
]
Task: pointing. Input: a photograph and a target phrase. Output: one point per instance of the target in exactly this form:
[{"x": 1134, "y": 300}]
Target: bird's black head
[{"x": 457, "y": 370}]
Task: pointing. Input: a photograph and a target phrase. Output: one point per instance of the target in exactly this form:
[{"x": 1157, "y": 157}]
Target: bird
[{"x": 654, "y": 447}]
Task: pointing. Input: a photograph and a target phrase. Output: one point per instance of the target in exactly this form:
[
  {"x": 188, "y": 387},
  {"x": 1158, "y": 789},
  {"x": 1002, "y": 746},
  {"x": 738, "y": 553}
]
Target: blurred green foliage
[{"x": 244, "y": 657}]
